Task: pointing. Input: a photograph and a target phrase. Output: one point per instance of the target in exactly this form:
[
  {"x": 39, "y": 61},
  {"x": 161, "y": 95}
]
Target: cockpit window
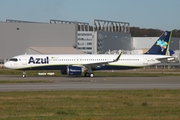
[{"x": 13, "y": 59}]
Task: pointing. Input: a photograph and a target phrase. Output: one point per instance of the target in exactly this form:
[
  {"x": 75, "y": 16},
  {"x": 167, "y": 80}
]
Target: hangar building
[
  {"x": 62, "y": 37},
  {"x": 147, "y": 42},
  {"x": 102, "y": 36}
]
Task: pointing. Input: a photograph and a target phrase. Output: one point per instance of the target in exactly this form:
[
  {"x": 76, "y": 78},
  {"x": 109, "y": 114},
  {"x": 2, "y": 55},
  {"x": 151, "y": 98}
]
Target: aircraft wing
[{"x": 102, "y": 63}]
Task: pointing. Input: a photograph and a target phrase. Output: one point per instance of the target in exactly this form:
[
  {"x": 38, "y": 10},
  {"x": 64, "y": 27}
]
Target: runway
[{"x": 85, "y": 83}]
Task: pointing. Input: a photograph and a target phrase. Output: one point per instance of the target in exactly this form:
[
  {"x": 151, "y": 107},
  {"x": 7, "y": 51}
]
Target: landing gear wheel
[
  {"x": 86, "y": 74},
  {"x": 91, "y": 75}
]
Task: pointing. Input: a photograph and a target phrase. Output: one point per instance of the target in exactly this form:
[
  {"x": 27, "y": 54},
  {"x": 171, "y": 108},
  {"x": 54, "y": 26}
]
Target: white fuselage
[{"x": 55, "y": 62}]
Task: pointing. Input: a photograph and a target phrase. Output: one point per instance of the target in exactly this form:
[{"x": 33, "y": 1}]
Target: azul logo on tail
[
  {"x": 163, "y": 44},
  {"x": 38, "y": 60}
]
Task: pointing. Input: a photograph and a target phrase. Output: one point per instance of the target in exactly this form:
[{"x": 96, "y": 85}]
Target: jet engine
[{"x": 72, "y": 70}]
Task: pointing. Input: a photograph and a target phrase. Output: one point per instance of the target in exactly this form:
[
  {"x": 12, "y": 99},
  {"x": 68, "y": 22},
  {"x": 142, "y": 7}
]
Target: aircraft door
[{"x": 145, "y": 60}]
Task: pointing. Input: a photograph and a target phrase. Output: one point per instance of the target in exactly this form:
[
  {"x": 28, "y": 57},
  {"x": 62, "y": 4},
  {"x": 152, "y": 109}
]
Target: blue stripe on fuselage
[
  {"x": 64, "y": 67},
  {"x": 55, "y": 67}
]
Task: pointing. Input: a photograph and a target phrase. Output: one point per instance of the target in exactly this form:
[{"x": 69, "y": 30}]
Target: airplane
[{"x": 76, "y": 64}]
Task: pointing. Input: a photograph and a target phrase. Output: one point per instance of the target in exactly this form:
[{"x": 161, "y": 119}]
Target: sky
[{"x": 155, "y": 14}]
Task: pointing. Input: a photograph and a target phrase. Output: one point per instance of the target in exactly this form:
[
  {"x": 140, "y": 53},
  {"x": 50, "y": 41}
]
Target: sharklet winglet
[{"x": 118, "y": 57}]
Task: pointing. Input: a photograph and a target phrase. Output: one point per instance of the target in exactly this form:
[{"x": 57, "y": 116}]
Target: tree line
[{"x": 143, "y": 32}]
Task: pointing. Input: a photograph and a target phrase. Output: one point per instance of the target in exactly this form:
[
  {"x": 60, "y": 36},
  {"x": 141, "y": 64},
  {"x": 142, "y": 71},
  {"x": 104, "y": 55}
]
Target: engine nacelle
[{"x": 72, "y": 70}]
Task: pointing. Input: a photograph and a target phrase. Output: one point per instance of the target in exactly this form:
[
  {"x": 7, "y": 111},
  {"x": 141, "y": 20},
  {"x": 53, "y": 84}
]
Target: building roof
[{"x": 56, "y": 50}]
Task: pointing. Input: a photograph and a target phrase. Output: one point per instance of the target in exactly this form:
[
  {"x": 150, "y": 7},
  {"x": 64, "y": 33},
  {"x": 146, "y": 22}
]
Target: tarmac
[{"x": 86, "y": 83}]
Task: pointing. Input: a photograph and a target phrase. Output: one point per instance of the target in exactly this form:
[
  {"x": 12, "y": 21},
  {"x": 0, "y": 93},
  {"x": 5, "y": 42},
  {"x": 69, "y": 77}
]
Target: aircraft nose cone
[{"x": 7, "y": 65}]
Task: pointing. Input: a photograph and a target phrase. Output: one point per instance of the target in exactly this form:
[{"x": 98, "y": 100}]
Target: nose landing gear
[{"x": 24, "y": 74}]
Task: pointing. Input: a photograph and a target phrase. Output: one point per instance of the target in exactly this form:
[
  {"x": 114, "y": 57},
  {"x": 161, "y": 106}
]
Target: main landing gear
[
  {"x": 86, "y": 74},
  {"x": 24, "y": 74}
]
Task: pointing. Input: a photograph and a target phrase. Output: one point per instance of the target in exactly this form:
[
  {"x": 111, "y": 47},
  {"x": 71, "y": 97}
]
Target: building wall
[
  {"x": 175, "y": 44},
  {"x": 147, "y": 42},
  {"x": 113, "y": 41},
  {"x": 84, "y": 41},
  {"x": 143, "y": 42},
  {"x": 16, "y": 38}
]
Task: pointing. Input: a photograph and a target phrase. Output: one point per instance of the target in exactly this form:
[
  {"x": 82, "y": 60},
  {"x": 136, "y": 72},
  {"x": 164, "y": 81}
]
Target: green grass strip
[{"x": 90, "y": 105}]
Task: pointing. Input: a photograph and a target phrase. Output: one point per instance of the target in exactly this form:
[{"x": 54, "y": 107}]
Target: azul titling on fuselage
[{"x": 38, "y": 60}]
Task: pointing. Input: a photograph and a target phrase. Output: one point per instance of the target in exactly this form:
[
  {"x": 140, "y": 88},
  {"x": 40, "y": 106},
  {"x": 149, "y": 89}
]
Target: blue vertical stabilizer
[{"x": 161, "y": 46}]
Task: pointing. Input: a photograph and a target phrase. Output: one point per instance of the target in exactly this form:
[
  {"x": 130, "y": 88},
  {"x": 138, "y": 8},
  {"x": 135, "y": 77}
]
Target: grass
[
  {"x": 29, "y": 73},
  {"x": 135, "y": 74},
  {"x": 131, "y": 73},
  {"x": 90, "y": 105}
]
